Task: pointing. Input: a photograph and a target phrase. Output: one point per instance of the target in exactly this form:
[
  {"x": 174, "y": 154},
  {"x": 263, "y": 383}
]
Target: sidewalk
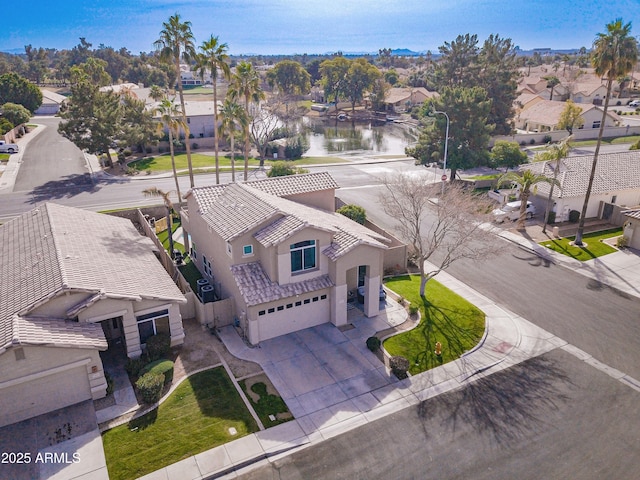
[{"x": 508, "y": 340}]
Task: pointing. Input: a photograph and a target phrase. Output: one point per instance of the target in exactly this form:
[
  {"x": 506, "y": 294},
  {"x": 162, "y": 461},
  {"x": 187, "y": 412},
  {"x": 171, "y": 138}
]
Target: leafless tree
[{"x": 455, "y": 225}]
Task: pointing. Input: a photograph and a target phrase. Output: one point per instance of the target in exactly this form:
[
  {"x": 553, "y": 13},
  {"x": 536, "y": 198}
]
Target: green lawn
[
  {"x": 196, "y": 417},
  {"x": 607, "y": 141},
  {"x": 595, "y": 248},
  {"x": 4, "y": 157},
  {"x": 492, "y": 176},
  {"x": 162, "y": 163},
  {"x": 446, "y": 318},
  {"x": 267, "y": 404}
]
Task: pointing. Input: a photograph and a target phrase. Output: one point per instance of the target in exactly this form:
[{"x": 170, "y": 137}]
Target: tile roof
[
  {"x": 547, "y": 112},
  {"x": 235, "y": 210},
  {"x": 52, "y": 249},
  {"x": 295, "y": 184},
  {"x": 256, "y": 288},
  {"x": 614, "y": 172},
  {"x": 632, "y": 214},
  {"x": 279, "y": 230},
  {"x": 57, "y": 333}
]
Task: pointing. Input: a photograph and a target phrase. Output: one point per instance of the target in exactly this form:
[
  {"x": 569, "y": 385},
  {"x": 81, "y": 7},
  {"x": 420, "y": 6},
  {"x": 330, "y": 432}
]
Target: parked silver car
[{"x": 511, "y": 211}]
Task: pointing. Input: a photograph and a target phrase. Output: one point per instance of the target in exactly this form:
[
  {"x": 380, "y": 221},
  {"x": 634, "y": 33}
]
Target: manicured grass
[
  {"x": 191, "y": 273},
  {"x": 198, "y": 90},
  {"x": 445, "y": 317},
  {"x": 493, "y": 176},
  {"x": 162, "y": 163},
  {"x": 607, "y": 141},
  {"x": 267, "y": 404},
  {"x": 4, "y": 157},
  {"x": 163, "y": 236},
  {"x": 313, "y": 161},
  {"x": 196, "y": 417},
  {"x": 595, "y": 248}
]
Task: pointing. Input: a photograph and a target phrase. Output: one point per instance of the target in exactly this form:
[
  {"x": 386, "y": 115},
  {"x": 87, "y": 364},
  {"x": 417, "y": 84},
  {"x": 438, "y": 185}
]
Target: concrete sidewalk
[{"x": 508, "y": 340}]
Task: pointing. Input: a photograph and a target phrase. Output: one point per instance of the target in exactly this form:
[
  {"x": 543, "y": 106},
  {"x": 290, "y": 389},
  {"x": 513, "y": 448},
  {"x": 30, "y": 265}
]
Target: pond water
[{"x": 330, "y": 138}]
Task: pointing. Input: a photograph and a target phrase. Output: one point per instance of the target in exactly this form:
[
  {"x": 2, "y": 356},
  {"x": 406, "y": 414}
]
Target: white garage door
[
  {"x": 297, "y": 317},
  {"x": 44, "y": 394}
]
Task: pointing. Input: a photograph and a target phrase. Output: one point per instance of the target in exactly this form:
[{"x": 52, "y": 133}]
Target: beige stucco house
[
  {"x": 277, "y": 247},
  {"x": 73, "y": 283},
  {"x": 544, "y": 116},
  {"x": 398, "y": 99},
  {"x": 617, "y": 181}
]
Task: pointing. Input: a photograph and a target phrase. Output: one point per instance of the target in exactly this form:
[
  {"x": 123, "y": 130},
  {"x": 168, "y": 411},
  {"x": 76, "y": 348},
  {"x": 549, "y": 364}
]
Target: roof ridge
[{"x": 54, "y": 231}]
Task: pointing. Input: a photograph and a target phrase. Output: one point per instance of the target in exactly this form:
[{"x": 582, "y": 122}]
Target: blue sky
[{"x": 312, "y": 26}]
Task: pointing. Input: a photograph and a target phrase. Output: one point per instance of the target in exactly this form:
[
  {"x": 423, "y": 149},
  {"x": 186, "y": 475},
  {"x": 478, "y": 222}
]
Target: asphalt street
[{"x": 551, "y": 417}]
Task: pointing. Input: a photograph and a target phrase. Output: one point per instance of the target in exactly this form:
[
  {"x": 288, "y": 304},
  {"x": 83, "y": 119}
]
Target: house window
[
  {"x": 271, "y": 310},
  {"x": 315, "y": 299},
  {"x": 298, "y": 303},
  {"x": 303, "y": 256},
  {"x": 596, "y": 124},
  {"x": 247, "y": 250},
  {"x": 289, "y": 305},
  {"x": 194, "y": 253},
  {"x": 229, "y": 249},
  {"x": 152, "y": 324},
  {"x": 614, "y": 198},
  {"x": 307, "y": 300},
  {"x": 188, "y": 120},
  {"x": 207, "y": 266},
  {"x": 280, "y": 308},
  {"x": 323, "y": 297},
  {"x": 261, "y": 312}
]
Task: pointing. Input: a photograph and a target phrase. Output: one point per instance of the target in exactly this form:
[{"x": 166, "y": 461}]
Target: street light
[{"x": 446, "y": 145}]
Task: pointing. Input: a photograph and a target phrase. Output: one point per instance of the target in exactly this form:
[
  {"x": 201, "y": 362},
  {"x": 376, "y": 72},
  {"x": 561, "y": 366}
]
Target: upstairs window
[{"x": 303, "y": 256}]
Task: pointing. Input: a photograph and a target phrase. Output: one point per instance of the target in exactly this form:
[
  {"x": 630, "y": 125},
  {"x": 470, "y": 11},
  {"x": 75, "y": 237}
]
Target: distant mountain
[{"x": 13, "y": 51}]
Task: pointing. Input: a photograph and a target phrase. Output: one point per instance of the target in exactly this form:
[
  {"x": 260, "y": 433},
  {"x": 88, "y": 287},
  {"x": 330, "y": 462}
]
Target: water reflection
[{"x": 326, "y": 138}]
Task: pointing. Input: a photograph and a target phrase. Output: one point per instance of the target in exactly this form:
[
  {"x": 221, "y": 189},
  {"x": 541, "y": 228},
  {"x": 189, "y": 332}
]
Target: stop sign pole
[{"x": 446, "y": 145}]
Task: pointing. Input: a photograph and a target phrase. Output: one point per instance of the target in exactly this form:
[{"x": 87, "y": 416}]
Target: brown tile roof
[
  {"x": 256, "y": 288},
  {"x": 633, "y": 214},
  {"x": 57, "y": 333},
  {"x": 614, "y": 172},
  {"x": 295, "y": 184},
  {"x": 52, "y": 249},
  {"x": 280, "y": 229}
]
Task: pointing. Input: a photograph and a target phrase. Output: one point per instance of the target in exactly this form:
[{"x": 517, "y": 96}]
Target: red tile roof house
[
  {"x": 277, "y": 247},
  {"x": 617, "y": 181},
  {"x": 74, "y": 282}
]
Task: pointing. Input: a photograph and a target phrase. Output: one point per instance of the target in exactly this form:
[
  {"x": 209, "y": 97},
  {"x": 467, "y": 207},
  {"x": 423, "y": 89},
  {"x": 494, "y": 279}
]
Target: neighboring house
[
  {"x": 526, "y": 100},
  {"x": 588, "y": 91},
  {"x": 199, "y": 117},
  {"x": 632, "y": 228},
  {"x": 51, "y": 102},
  {"x": 74, "y": 283},
  {"x": 544, "y": 116},
  {"x": 617, "y": 181},
  {"x": 191, "y": 78},
  {"x": 398, "y": 99},
  {"x": 278, "y": 248}
]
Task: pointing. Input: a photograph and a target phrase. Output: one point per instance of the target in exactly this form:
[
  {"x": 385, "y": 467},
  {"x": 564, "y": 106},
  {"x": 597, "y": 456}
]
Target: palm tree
[
  {"x": 615, "y": 53},
  {"x": 156, "y": 93},
  {"x": 233, "y": 116},
  {"x": 171, "y": 118},
  {"x": 525, "y": 180},
  {"x": 552, "y": 82},
  {"x": 176, "y": 43},
  {"x": 156, "y": 192},
  {"x": 214, "y": 58},
  {"x": 245, "y": 83},
  {"x": 556, "y": 152}
]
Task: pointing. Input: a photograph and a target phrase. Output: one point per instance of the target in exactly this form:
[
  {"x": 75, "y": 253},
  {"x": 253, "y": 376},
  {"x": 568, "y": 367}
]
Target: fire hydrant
[{"x": 438, "y": 351}]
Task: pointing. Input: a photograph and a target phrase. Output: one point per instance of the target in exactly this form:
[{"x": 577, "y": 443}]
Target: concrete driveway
[
  {"x": 323, "y": 366},
  {"x": 64, "y": 444}
]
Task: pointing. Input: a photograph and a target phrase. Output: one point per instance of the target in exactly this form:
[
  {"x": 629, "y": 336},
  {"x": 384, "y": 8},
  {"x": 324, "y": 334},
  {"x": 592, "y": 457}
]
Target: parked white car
[
  {"x": 634, "y": 103},
  {"x": 511, "y": 211}
]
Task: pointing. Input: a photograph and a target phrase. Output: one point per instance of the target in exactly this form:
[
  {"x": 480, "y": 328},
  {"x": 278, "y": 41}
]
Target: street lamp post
[{"x": 446, "y": 145}]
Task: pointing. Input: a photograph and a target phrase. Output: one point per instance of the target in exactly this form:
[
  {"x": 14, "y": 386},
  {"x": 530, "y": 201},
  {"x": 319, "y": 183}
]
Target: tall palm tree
[
  {"x": 171, "y": 118},
  {"x": 525, "y": 180},
  {"x": 214, "y": 58},
  {"x": 232, "y": 116},
  {"x": 555, "y": 153},
  {"x": 176, "y": 42},
  {"x": 245, "y": 83},
  {"x": 156, "y": 93},
  {"x": 166, "y": 199},
  {"x": 615, "y": 53}
]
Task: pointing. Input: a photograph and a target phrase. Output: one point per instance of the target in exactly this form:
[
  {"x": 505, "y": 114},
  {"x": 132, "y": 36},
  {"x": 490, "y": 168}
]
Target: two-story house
[{"x": 279, "y": 249}]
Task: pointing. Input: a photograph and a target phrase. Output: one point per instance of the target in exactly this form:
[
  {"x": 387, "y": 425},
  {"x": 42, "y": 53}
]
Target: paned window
[
  {"x": 152, "y": 324},
  {"x": 303, "y": 256}
]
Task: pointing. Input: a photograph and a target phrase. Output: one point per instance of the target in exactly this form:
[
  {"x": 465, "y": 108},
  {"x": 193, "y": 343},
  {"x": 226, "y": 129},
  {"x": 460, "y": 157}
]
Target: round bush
[
  {"x": 399, "y": 366},
  {"x": 150, "y": 386},
  {"x": 373, "y": 344},
  {"x": 134, "y": 366},
  {"x": 574, "y": 216},
  {"x": 158, "y": 346},
  {"x": 163, "y": 366}
]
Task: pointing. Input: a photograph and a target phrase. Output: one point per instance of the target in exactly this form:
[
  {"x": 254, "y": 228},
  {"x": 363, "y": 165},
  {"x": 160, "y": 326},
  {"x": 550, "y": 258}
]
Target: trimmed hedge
[
  {"x": 163, "y": 366},
  {"x": 158, "y": 346},
  {"x": 399, "y": 366},
  {"x": 373, "y": 344},
  {"x": 150, "y": 386}
]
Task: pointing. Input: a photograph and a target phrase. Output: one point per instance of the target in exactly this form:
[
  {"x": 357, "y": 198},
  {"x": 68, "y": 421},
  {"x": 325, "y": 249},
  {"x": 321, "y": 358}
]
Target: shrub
[
  {"x": 622, "y": 241},
  {"x": 547, "y": 139},
  {"x": 150, "y": 386},
  {"x": 373, "y": 344},
  {"x": 399, "y": 366},
  {"x": 163, "y": 366},
  {"x": 195, "y": 146},
  {"x": 523, "y": 143},
  {"x": 281, "y": 169},
  {"x": 413, "y": 310},
  {"x": 109, "y": 380},
  {"x": 148, "y": 150},
  {"x": 134, "y": 366},
  {"x": 158, "y": 346},
  {"x": 354, "y": 212},
  {"x": 618, "y": 103},
  {"x": 551, "y": 219},
  {"x": 574, "y": 216},
  {"x": 532, "y": 141}
]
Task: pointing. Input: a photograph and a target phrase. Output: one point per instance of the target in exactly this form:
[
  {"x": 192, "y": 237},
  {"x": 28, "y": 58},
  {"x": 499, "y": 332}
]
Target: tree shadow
[
  {"x": 69, "y": 186},
  {"x": 535, "y": 260},
  {"x": 505, "y": 406}
]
